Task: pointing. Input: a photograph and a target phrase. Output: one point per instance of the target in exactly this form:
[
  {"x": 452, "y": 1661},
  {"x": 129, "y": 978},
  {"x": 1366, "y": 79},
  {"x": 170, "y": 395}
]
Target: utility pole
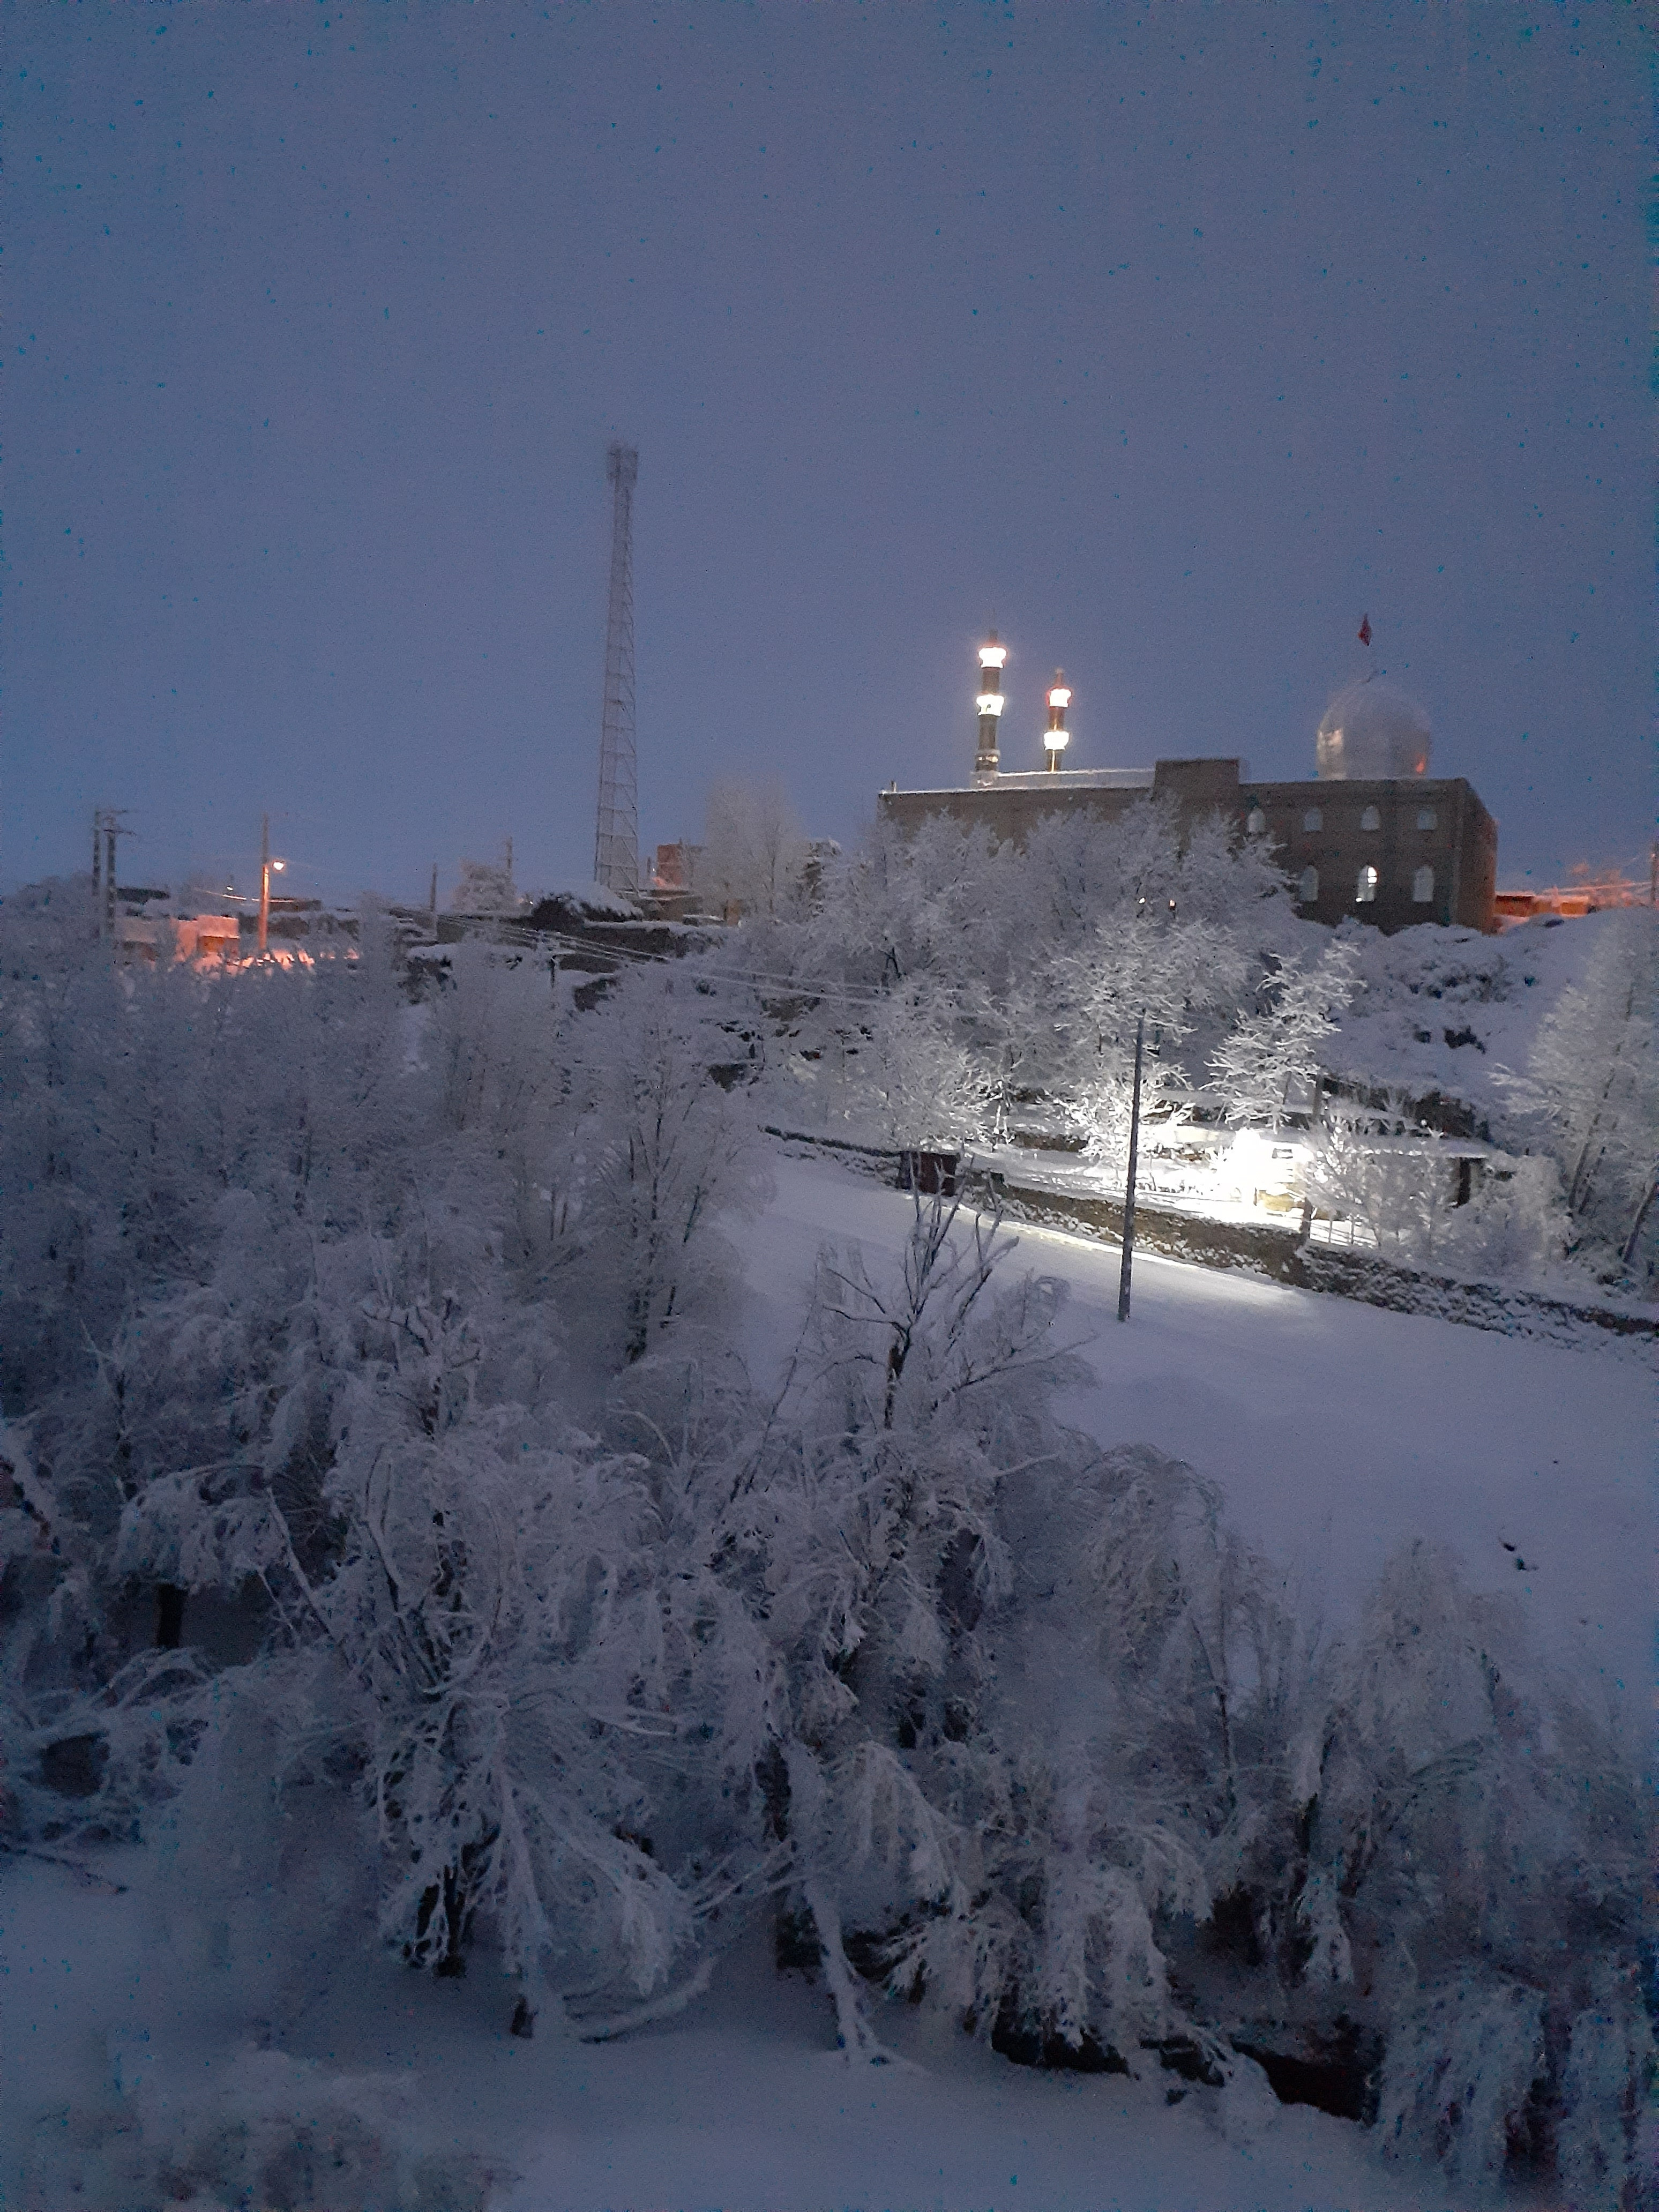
[
  {"x": 268, "y": 867},
  {"x": 617, "y": 837},
  {"x": 1129, "y": 1178},
  {"x": 1134, "y": 1158}
]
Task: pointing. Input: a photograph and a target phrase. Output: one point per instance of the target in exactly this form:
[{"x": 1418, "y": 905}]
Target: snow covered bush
[
  {"x": 270, "y": 2131},
  {"x": 1515, "y": 1228}
]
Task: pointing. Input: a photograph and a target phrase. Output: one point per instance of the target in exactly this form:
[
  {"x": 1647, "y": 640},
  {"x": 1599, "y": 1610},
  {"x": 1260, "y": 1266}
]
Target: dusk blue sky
[{"x": 1175, "y": 339}]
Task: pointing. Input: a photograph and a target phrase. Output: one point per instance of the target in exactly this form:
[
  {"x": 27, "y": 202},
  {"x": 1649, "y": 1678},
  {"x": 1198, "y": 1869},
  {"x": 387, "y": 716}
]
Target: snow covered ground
[
  {"x": 741, "y": 2103},
  {"x": 1451, "y": 1010},
  {"x": 1337, "y": 1432}
]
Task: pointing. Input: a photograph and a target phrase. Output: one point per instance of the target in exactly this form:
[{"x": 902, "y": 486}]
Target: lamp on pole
[
  {"x": 1127, "y": 1266},
  {"x": 267, "y": 866}
]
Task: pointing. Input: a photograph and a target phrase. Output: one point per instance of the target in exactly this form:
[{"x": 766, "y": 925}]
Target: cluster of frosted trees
[
  {"x": 961, "y": 977},
  {"x": 390, "y": 1516},
  {"x": 388, "y": 1509},
  {"x": 946, "y": 982}
]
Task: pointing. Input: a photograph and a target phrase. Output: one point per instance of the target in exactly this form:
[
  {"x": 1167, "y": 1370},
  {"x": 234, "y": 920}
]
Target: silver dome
[{"x": 1370, "y": 730}]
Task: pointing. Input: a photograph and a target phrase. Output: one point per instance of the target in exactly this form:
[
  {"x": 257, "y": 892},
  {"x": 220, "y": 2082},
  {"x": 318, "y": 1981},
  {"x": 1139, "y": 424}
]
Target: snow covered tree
[
  {"x": 659, "y": 1150},
  {"x": 753, "y": 852},
  {"x": 487, "y": 887},
  {"x": 1268, "y": 1066},
  {"x": 1592, "y": 1080},
  {"x": 872, "y": 1522},
  {"x": 1452, "y": 1803},
  {"x": 917, "y": 1084}
]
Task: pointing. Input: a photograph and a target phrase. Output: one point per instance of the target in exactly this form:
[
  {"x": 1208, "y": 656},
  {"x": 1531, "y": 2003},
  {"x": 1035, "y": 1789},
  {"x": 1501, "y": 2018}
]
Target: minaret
[
  {"x": 1057, "y": 736},
  {"x": 989, "y": 704}
]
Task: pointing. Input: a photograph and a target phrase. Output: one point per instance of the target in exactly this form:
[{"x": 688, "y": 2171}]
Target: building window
[
  {"x": 1370, "y": 819},
  {"x": 1366, "y": 889},
  {"x": 1427, "y": 819},
  {"x": 1308, "y": 889},
  {"x": 1314, "y": 818},
  {"x": 1422, "y": 887},
  {"x": 1256, "y": 821}
]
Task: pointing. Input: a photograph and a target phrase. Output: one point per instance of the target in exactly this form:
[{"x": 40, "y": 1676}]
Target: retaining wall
[{"x": 1259, "y": 1249}]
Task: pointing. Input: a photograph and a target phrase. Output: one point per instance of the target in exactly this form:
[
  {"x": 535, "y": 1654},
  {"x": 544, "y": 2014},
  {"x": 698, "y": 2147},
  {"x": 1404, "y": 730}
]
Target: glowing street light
[
  {"x": 1057, "y": 736},
  {"x": 267, "y": 868}
]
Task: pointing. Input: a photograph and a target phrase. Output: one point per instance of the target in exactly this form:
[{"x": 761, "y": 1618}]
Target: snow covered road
[{"x": 1337, "y": 1431}]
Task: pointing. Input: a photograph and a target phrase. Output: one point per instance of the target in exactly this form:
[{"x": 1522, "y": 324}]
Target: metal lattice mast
[{"x": 617, "y": 842}]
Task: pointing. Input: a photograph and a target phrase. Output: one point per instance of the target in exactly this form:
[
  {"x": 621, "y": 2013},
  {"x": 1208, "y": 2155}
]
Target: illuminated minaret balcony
[
  {"x": 989, "y": 705},
  {"x": 1057, "y": 736}
]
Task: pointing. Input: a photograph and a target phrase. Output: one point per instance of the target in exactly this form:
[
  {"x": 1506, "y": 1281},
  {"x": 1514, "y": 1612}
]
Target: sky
[{"x": 1171, "y": 340}]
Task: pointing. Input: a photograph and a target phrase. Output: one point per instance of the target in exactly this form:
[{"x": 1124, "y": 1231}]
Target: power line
[{"x": 561, "y": 940}]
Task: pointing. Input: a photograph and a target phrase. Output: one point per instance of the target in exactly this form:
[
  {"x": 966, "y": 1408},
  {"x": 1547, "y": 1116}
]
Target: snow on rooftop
[
  {"x": 595, "y": 898},
  {"x": 1055, "y": 780}
]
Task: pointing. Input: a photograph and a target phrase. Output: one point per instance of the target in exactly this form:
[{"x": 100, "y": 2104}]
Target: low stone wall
[
  {"x": 1260, "y": 1250},
  {"x": 1281, "y": 1255},
  {"x": 1254, "y": 1246}
]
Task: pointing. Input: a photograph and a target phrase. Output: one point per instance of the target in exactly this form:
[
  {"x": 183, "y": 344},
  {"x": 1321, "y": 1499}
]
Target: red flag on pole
[{"x": 1364, "y": 630}]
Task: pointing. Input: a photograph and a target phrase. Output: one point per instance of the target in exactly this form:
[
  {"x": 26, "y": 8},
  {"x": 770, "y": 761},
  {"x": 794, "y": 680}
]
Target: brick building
[{"x": 1371, "y": 835}]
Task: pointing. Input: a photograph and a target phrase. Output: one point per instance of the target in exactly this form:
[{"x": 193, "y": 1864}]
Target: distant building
[
  {"x": 178, "y": 937},
  {"x": 1568, "y": 901},
  {"x": 672, "y": 891},
  {"x": 1371, "y": 835}
]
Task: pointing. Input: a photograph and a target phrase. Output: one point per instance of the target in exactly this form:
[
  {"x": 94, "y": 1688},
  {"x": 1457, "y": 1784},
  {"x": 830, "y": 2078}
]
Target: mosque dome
[{"x": 1370, "y": 730}]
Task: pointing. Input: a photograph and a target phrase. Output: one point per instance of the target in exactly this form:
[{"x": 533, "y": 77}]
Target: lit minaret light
[
  {"x": 1057, "y": 736},
  {"x": 989, "y": 704}
]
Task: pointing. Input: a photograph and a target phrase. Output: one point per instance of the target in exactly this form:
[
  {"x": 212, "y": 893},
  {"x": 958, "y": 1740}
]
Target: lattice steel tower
[{"x": 617, "y": 841}]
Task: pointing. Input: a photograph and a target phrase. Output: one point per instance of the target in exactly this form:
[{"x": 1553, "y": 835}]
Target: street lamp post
[
  {"x": 1129, "y": 1178},
  {"x": 266, "y": 866},
  {"x": 1126, "y": 1268}
]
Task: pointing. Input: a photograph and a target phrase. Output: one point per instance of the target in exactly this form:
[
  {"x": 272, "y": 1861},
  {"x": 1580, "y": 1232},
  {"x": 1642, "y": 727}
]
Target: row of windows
[
  {"x": 1367, "y": 885},
  {"x": 1256, "y": 822}
]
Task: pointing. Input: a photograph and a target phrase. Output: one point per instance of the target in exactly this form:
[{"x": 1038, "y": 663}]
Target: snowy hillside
[
  {"x": 387, "y": 2092},
  {"x": 491, "y": 1549},
  {"x": 1338, "y": 1433},
  {"x": 1451, "y": 1011},
  {"x": 137, "y": 2030}
]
